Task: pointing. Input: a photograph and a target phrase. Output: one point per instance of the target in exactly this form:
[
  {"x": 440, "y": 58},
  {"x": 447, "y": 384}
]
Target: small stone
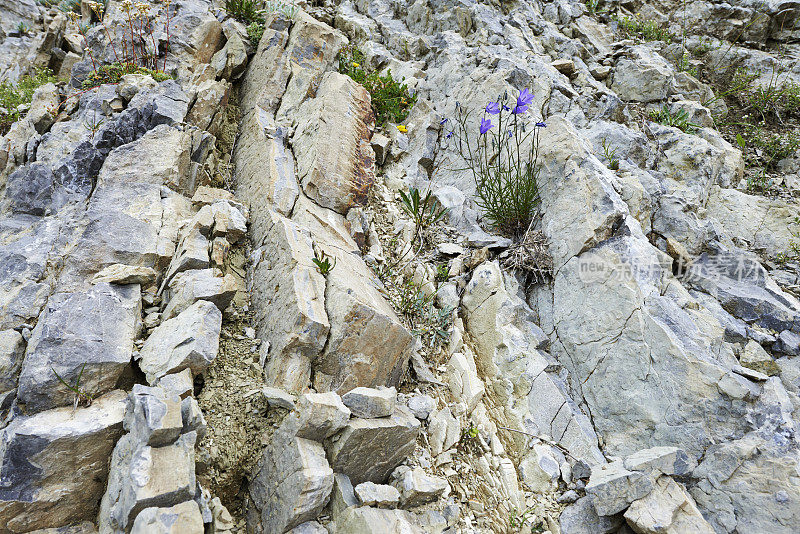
[
  {"x": 192, "y": 416},
  {"x": 564, "y": 66},
  {"x": 219, "y": 251},
  {"x": 368, "y": 402},
  {"x": 229, "y": 222},
  {"x": 380, "y": 495},
  {"x": 278, "y": 398},
  {"x": 190, "y": 340},
  {"x": 205, "y": 195},
  {"x": 343, "y": 495},
  {"x": 318, "y": 416},
  {"x": 369, "y": 449},
  {"x": 421, "y": 406},
  {"x": 788, "y": 343},
  {"x": 154, "y": 416},
  {"x": 182, "y": 518},
  {"x": 417, "y": 487},
  {"x": 125, "y": 274},
  {"x": 754, "y": 357},
  {"x": 180, "y": 384},
  {"x": 450, "y": 249},
  {"x": 581, "y": 518},
  {"x": 664, "y": 460},
  {"x": 612, "y": 487},
  {"x": 569, "y": 497},
  {"x": 380, "y": 144},
  {"x": 600, "y": 72},
  {"x": 668, "y": 509}
]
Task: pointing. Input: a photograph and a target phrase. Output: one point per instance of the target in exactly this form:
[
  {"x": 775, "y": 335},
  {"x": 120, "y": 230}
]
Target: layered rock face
[{"x": 176, "y": 357}]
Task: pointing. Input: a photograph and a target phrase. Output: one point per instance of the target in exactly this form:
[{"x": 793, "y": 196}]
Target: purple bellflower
[
  {"x": 486, "y": 125},
  {"x": 493, "y": 108},
  {"x": 523, "y": 101}
]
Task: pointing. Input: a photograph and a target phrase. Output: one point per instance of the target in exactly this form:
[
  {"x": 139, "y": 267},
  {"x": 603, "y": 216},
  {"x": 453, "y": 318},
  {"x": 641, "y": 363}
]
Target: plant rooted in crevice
[
  {"x": 81, "y": 395},
  {"x": 503, "y": 159},
  {"x": 391, "y": 99}
]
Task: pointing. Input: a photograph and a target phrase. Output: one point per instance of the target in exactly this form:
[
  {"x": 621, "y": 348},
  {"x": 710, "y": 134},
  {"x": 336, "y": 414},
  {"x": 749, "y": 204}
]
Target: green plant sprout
[
  {"x": 81, "y": 395},
  {"x": 323, "y": 263},
  {"x": 611, "y": 156},
  {"x": 678, "y": 119}
]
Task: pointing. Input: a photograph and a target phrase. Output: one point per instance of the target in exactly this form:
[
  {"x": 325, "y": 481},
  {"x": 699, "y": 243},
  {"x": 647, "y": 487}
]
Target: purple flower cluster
[{"x": 524, "y": 101}]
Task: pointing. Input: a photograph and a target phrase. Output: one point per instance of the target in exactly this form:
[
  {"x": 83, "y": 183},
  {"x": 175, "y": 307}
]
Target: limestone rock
[
  {"x": 581, "y": 518},
  {"x": 205, "y": 195},
  {"x": 343, "y": 495},
  {"x": 279, "y": 398},
  {"x": 754, "y": 357},
  {"x": 369, "y": 402},
  {"x": 643, "y": 77},
  {"x": 421, "y": 406},
  {"x": 61, "y": 442},
  {"x": 154, "y": 416},
  {"x": 90, "y": 331},
  {"x": 291, "y": 485},
  {"x": 368, "y": 520},
  {"x": 369, "y": 449},
  {"x": 190, "y": 287},
  {"x": 289, "y": 299},
  {"x": 190, "y": 340},
  {"x": 444, "y": 431},
  {"x": 668, "y": 509},
  {"x": 12, "y": 349},
  {"x": 126, "y": 274},
  {"x": 417, "y": 487},
  {"x": 230, "y": 62},
  {"x": 180, "y": 383},
  {"x": 335, "y": 165},
  {"x": 184, "y": 518},
  {"x": 212, "y": 96},
  {"x": 309, "y": 527},
  {"x": 229, "y": 221},
  {"x": 192, "y": 417},
  {"x": 612, "y": 488},
  {"x": 318, "y": 416},
  {"x": 192, "y": 253},
  {"x": 368, "y": 345},
  {"x": 378, "y": 495},
  {"x": 502, "y": 324},
  {"x": 146, "y": 477},
  {"x": 464, "y": 381},
  {"x": 664, "y": 460}
]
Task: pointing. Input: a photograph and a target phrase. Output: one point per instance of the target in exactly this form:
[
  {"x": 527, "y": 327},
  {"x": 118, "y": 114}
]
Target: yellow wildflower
[
  {"x": 356, "y": 65},
  {"x": 402, "y": 128}
]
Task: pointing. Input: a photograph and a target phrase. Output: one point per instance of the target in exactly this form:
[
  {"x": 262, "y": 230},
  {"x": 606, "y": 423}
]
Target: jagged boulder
[
  {"x": 54, "y": 464},
  {"x": 188, "y": 341},
  {"x": 145, "y": 477},
  {"x": 335, "y": 166},
  {"x": 88, "y": 334},
  {"x": 370, "y": 449},
  {"x": 291, "y": 484}
]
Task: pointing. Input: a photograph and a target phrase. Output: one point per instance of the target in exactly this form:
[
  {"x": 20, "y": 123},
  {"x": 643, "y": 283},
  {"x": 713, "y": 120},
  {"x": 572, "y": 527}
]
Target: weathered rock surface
[
  {"x": 335, "y": 166},
  {"x": 40, "y": 456},
  {"x": 146, "y": 477},
  {"x": 291, "y": 485},
  {"x": 370, "y": 449},
  {"x": 88, "y": 334},
  {"x": 188, "y": 341},
  {"x": 668, "y": 509},
  {"x": 368, "y": 402},
  {"x": 184, "y": 518}
]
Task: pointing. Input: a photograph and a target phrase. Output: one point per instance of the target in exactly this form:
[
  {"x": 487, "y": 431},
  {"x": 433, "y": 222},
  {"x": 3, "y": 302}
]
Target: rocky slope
[{"x": 173, "y": 359}]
